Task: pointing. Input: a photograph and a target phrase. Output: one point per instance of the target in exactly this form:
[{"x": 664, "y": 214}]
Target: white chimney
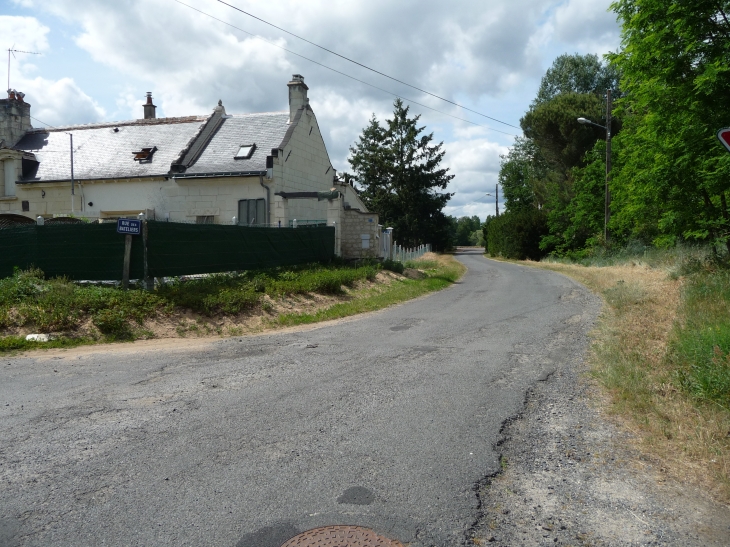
[{"x": 297, "y": 95}]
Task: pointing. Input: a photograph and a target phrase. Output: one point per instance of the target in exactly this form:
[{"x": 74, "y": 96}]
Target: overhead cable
[
  {"x": 364, "y": 66},
  {"x": 342, "y": 73}
]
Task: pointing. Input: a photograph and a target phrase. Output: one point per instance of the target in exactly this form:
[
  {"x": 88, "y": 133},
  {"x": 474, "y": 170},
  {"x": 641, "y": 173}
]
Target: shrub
[
  {"x": 393, "y": 266},
  {"x": 517, "y": 234},
  {"x": 113, "y": 323}
]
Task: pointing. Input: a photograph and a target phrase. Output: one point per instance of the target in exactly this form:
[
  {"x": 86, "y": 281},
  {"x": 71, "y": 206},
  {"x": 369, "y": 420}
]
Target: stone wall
[{"x": 360, "y": 235}]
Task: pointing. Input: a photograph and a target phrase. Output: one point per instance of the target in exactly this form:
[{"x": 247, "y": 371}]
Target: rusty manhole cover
[{"x": 341, "y": 536}]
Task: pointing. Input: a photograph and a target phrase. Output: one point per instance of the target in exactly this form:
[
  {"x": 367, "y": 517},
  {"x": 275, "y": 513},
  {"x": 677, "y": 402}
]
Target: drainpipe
[{"x": 268, "y": 197}]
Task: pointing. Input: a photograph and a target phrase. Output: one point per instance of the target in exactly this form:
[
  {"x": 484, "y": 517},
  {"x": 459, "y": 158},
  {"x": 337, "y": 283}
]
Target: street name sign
[
  {"x": 724, "y": 136},
  {"x": 129, "y": 226}
]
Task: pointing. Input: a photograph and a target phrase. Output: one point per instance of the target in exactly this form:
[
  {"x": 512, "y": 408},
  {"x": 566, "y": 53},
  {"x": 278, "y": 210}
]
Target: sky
[{"x": 97, "y": 59}]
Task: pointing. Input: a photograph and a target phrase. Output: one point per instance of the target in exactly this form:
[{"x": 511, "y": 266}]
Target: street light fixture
[
  {"x": 496, "y": 190},
  {"x": 607, "y": 128}
]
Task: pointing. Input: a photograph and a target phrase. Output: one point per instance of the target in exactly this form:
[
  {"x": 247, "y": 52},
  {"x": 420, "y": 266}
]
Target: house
[{"x": 265, "y": 169}]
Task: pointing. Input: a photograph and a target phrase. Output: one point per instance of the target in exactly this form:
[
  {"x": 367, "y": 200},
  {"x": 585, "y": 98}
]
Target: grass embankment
[
  {"x": 662, "y": 353},
  {"x": 222, "y": 304}
]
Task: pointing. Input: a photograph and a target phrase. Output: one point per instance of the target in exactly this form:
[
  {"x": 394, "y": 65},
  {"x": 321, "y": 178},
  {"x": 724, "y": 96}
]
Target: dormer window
[
  {"x": 144, "y": 155},
  {"x": 245, "y": 151}
]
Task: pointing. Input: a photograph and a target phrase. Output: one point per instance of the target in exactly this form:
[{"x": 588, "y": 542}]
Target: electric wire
[
  {"x": 364, "y": 66},
  {"x": 343, "y": 73}
]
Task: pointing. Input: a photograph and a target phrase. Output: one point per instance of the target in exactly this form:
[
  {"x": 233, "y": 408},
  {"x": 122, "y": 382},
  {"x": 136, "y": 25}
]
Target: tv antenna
[{"x": 14, "y": 51}]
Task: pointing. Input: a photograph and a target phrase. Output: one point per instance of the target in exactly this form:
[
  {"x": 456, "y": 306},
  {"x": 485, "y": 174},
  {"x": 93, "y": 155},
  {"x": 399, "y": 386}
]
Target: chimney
[
  {"x": 14, "y": 118},
  {"x": 297, "y": 95},
  {"x": 149, "y": 108}
]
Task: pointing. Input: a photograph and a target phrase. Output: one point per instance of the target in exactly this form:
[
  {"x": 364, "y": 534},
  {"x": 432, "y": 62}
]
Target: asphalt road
[{"x": 389, "y": 421}]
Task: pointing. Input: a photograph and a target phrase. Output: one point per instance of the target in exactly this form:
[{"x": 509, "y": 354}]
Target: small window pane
[{"x": 245, "y": 151}]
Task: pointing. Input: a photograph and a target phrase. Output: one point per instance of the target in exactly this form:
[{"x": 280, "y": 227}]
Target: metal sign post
[{"x": 129, "y": 228}]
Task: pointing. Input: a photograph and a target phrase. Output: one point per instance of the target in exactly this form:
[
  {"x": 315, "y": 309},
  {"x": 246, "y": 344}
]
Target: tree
[
  {"x": 674, "y": 174},
  {"x": 465, "y": 228},
  {"x": 399, "y": 174},
  {"x": 577, "y": 74}
]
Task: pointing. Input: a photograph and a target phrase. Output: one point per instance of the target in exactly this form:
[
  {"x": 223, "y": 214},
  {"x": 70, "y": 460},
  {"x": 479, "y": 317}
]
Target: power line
[
  {"x": 342, "y": 73},
  {"x": 364, "y": 66}
]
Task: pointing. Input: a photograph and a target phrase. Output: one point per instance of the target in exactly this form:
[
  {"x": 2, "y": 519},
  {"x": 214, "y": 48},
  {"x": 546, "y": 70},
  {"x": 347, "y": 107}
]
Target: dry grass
[{"x": 690, "y": 439}]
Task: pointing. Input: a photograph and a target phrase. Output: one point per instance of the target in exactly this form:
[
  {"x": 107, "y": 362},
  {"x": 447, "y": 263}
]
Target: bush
[
  {"x": 517, "y": 234},
  {"x": 393, "y": 266},
  {"x": 113, "y": 323}
]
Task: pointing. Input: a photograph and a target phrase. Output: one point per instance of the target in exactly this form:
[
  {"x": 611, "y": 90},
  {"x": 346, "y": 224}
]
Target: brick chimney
[
  {"x": 297, "y": 95},
  {"x": 149, "y": 108},
  {"x": 14, "y": 118}
]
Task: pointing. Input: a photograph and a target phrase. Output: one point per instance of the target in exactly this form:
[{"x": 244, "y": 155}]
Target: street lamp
[
  {"x": 607, "y": 128},
  {"x": 496, "y": 190}
]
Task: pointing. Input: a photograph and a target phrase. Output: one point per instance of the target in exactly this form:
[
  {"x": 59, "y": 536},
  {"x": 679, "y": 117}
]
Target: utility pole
[
  {"x": 607, "y": 193},
  {"x": 607, "y": 210},
  {"x": 496, "y": 191},
  {"x": 73, "y": 210}
]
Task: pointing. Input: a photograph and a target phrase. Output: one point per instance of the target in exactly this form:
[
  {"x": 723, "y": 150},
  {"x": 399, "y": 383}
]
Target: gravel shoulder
[{"x": 572, "y": 476}]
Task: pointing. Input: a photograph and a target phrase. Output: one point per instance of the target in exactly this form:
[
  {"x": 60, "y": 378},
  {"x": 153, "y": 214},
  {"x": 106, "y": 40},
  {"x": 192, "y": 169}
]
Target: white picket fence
[{"x": 404, "y": 254}]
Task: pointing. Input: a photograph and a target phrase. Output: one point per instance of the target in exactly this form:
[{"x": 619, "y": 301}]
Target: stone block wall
[{"x": 360, "y": 234}]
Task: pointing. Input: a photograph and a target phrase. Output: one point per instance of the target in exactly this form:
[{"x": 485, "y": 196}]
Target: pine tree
[{"x": 398, "y": 172}]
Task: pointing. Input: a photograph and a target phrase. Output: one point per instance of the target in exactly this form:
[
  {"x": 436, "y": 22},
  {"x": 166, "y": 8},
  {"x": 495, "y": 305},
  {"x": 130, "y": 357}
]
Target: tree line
[{"x": 669, "y": 173}]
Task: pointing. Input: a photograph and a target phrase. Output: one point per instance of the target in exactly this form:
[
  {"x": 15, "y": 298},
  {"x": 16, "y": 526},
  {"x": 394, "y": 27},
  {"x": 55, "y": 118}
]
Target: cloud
[
  {"x": 56, "y": 102},
  {"x": 24, "y": 33},
  {"x": 588, "y": 25},
  {"x": 60, "y": 102}
]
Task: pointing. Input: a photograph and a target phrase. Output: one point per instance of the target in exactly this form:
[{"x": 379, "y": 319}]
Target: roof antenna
[{"x": 14, "y": 51}]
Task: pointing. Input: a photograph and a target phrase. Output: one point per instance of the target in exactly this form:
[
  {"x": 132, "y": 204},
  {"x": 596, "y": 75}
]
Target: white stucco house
[{"x": 252, "y": 169}]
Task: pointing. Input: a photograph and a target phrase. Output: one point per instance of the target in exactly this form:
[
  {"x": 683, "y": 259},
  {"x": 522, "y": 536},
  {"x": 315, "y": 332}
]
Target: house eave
[{"x": 217, "y": 175}]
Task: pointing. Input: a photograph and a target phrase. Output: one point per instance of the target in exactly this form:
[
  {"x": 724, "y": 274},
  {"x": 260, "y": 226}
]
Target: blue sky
[{"x": 99, "y": 57}]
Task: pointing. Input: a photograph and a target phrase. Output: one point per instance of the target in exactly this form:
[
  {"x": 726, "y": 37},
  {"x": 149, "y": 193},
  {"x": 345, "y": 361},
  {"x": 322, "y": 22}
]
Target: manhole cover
[{"x": 341, "y": 536}]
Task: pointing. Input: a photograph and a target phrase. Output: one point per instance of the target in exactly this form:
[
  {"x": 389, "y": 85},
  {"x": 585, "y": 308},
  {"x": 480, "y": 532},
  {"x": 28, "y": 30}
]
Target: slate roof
[
  {"x": 106, "y": 151},
  {"x": 266, "y": 130}
]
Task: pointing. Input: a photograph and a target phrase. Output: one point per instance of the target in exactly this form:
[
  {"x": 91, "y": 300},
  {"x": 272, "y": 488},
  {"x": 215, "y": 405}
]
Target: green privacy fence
[{"x": 96, "y": 251}]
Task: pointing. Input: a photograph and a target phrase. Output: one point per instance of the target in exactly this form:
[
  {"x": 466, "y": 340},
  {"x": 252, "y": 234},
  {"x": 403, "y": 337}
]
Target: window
[
  {"x": 204, "y": 219},
  {"x": 145, "y": 154},
  {"x": 245, "y": 151},
  {"x": 252, "y": 212}
]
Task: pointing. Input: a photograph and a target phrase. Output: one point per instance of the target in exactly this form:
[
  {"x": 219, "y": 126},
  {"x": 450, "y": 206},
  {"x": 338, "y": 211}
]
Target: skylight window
[
  {"x": 245, "y": 151},
  {"x": 144, "y": 155}
]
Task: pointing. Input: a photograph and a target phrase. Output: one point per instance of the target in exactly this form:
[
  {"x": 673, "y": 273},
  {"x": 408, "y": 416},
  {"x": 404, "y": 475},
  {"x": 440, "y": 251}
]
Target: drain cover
[{"x": 341, "y": 536}]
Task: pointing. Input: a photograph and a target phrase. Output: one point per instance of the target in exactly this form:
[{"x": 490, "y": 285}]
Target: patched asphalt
[{"x": 390, "y": 421}]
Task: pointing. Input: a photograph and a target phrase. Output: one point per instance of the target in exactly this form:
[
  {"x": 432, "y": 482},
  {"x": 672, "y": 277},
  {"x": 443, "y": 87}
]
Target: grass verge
[
  {"x": 438, "y": 273},
  {"x": 214, "y": 305},
  {"x": 661, "y": 351}
]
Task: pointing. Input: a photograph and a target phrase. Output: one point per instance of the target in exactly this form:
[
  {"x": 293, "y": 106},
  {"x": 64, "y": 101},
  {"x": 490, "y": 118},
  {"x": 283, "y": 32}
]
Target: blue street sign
[{"x": 129, "y": 226}]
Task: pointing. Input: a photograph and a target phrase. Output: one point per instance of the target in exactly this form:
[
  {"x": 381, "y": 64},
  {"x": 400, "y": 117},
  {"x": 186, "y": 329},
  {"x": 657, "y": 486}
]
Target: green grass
[
  {"x": 700, "y": 345},
  {"x": 31, "y": 302},
  {"x": 438, "y": 276},
  {"x": 13, "y": 344}
]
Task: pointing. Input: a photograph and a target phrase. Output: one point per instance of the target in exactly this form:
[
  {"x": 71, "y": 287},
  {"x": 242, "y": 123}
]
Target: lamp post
[
  {"x": 496, "y": 191},
  {"x": 607, "y": 127}
]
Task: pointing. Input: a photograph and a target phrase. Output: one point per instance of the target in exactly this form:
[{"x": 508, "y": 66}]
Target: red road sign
[{"x": 724, "y": 136}]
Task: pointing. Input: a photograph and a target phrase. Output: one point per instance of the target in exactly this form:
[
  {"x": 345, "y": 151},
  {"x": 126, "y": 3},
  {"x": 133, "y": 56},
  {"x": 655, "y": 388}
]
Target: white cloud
[
  {"x": 588, "y": 25},
  {"x": 24, "y": 33},
  {"x": 56, "y": 102},
  {"x": 60, "y": 102}
]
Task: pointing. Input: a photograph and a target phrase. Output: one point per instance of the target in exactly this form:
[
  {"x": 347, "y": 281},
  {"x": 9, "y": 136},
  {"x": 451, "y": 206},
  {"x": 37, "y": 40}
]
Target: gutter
[{"x": 258, "y": 173}]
